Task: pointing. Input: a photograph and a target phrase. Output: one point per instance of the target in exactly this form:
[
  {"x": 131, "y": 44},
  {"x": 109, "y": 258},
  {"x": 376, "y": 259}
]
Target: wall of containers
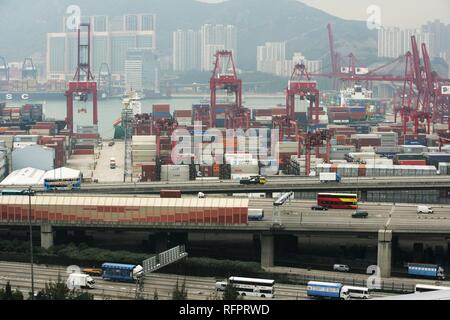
[
  {"x": 361, "y": 170},
  {"x": 85, "y": 140},
  {"x": 144, "y": 157},
  {"x": 126, "y": 210}
]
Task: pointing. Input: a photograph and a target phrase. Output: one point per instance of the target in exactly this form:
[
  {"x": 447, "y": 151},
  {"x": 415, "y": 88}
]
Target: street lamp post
[{"x": 31, "y": 193}]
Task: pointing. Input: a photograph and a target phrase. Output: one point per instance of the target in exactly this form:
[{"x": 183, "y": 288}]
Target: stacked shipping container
[{"x": 143, "y": 157}]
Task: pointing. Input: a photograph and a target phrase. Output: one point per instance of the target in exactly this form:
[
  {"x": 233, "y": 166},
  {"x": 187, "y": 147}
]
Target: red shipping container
[
  {"x": 183, "y": 113},
  {"x": 263, "y": 113},
  {"x": 161, "y": 108},
  {"x": 278, "y": 111},
  {"x": 340, "y": 115},
  {"x": 86, "y": 136},
  {"x": 170, "y": 194},
  {"x": 338, "y": 109},
  {"x": 83, "y": 152},
  {"x": 413, "y": 162}
]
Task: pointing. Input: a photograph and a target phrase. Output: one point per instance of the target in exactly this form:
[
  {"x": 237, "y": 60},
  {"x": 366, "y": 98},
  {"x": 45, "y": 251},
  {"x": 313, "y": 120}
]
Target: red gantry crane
[
  {"x": 224, "y": 77},
  {"x": 301, "y": 85},
  {"x": 83, "y": 83}
]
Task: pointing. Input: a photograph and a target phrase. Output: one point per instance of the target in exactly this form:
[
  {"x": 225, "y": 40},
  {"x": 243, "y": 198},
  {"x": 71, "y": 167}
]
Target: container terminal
[{"x": 285, "y": 177}]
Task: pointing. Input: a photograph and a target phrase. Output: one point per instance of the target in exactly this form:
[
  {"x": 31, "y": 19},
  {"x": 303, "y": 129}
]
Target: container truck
[
  {"x": 254, "y": 180},
  {"x": 327, "y": 290},
  {"x": 122, "y": 272},
  {"x": 426, "y": 270},
  {"x": 255, "y": 214},
  {"x": 329, "y": 177},
  {"x": 79, "y": 280}
]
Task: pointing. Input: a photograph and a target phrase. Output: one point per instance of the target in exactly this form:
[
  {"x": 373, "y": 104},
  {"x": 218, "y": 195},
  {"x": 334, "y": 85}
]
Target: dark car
[
  {"x": 360, "y": 214},
  {"x": 319, "y": 208}
]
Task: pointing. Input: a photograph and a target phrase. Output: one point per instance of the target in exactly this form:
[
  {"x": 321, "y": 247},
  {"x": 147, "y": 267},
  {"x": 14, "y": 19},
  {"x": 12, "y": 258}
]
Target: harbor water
[{"x": 110, "y": 110}]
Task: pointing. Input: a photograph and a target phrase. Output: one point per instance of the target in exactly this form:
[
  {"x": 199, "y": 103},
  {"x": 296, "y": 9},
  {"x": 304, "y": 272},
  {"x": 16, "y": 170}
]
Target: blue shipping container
[
  {"x": 358, "y": 109},
  {"x": 323, "y": 289},
  {"x": 161, "y": 115}
]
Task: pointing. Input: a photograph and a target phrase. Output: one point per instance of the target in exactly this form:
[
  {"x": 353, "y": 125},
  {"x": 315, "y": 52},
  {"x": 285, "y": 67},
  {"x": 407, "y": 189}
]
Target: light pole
[{"x": 31, "y": 193}]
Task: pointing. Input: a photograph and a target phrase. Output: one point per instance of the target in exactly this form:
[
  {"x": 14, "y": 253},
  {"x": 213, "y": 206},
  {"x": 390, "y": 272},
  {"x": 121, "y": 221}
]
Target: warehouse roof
[
  {"x": 128, "y": 201},
  {"x": 62, "y": 173},
  {"x": 26, "y": 176}
]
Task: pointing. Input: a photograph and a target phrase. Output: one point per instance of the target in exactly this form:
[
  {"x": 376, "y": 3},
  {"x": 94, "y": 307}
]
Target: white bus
[
  {"x": 427, "y": 288},
  {"x": 250, "y": 287},
  {"x": 357, "y": 292}
]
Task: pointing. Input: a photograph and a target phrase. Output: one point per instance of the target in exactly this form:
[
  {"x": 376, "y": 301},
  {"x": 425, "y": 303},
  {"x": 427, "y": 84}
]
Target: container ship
[{"x": 24, "y": 117}]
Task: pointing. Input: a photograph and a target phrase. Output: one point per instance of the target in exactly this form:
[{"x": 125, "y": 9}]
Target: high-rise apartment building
[
  {"x": 268, "y": 55},
  {"x": 195, "y": 50},
  {"x": 271, "y": 58},
  {"x": 186, "y": 50},
  {"x": 440, "y": 36},
  {"x": 216, "y": 36},
  {"x": 141, "y": 70},
  {"x": 394, "y": 42},
  {"x": 111, "y": 37}
]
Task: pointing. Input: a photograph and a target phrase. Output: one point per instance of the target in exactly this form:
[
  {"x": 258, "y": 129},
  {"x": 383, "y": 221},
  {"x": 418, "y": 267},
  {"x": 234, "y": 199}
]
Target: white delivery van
[
  {"x": 424, "y": 210},
  {"x": 79, "y": 280}
]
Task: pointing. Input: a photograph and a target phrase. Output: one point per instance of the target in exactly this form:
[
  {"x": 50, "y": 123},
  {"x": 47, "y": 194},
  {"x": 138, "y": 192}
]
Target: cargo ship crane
[
  {"x": 104, "y": 79},
  {"x": 83, "y": 83},
  {"x": 4, "y": 70},
  {"x": 437, "y": 93},
  {"x": 224, "y": 77},
  {"x": 29, "y": 71}
]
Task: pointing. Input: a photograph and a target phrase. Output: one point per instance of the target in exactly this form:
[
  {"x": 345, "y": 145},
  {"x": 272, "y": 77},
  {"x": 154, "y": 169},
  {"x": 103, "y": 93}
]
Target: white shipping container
[
  {"x": 175, "y": 173},
  {"x": 144, "y": 138},
  {"x": 247, "y": 169}
]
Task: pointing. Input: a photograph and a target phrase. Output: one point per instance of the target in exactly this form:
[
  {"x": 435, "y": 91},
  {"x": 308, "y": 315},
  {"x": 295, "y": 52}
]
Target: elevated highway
[
  {"x": 275, "y": 184},
  {"x": 297, "y": 219}
]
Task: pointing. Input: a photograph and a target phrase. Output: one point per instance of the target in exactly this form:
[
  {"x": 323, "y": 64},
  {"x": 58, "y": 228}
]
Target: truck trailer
[
  {"x": 327, "y": 290},
  {"x": 255, "y": 214},
  {"x": 329, "y": 177},
  {"x": 122, "y": 272},
  {"x": 426, "y": 270}
]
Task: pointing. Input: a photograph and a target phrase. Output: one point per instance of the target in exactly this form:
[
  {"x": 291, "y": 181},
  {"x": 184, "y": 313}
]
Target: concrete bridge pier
[
  {"x": 267, "y": 251},
  {"x": 385, "y": 253},
  {"x": 363, "y": 196},
  {"x": 161, "y": 242},
  {"x": 46, "y": 235}
]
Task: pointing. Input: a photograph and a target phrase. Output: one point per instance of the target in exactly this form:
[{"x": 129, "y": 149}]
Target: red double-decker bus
[{"x": 337, "y": 200}]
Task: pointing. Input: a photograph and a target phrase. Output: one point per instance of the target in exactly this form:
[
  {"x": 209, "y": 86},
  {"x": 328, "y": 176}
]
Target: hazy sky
[{"x": 403, "y": 13}]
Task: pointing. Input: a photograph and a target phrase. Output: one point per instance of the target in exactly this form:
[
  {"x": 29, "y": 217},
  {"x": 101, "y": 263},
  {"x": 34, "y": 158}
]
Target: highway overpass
[
  {"x": 275, "y": 184},
  {"x": 297, "y": 219}
]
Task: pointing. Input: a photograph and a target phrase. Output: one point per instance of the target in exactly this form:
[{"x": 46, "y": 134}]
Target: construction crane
[
  {"x": 224, "y": 77},
  {"x": 29, "y": 71},
  {"x": 4, "y": 70},
  {"x": 83, "y": 83}
]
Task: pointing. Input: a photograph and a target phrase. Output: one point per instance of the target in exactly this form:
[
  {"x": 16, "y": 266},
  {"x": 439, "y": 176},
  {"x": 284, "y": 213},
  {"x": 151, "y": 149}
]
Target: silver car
[{"x": 341, "y": 268}]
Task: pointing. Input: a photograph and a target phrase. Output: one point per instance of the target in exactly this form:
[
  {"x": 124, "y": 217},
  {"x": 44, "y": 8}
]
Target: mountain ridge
[{"x": 257, "y": 22}]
